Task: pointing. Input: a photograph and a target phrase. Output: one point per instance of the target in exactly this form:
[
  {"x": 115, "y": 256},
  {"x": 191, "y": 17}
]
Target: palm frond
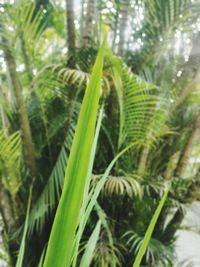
[
  {"x": 139, "y": 106},
  {"x": 50, "y": 195},
  {"x": 48, "y": 200},
  {"x": 28, "y": 24},
  {"x": 90, "y": 246},
  {"x": 20, "y": 257},
  {"x": 105, "y": 255},
  {"x": 121, "y": 185},
  {"x": 161, "y": 19},
  {"x": 10, "y": 160},
  {"x": 157, "y": 253},
  {"x": 137, "y": 102},
  {"x": 71, "y": 76}
]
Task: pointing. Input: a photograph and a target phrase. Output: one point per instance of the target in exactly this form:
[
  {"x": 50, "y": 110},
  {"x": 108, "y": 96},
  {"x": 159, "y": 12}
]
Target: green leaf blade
[
  {"x": 149, "y": 231},
  {"x": 65, "y": 223},
  {"x": 87, "y": 256}
]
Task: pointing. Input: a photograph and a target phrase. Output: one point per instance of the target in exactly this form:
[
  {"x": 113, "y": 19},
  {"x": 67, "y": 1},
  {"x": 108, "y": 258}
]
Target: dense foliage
[{"x": 149, "y": 102}]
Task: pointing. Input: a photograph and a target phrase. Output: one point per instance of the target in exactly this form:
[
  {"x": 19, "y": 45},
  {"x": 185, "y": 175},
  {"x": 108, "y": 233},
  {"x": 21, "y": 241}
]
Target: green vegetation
[{"x": 99, "y": 137}]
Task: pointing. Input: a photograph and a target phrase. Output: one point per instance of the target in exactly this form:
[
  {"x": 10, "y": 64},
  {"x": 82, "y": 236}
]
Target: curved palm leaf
[{"x": 137, "y": 102}]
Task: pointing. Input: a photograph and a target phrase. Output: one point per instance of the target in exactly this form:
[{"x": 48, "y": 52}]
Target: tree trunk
[
  {"x": 188, "y": 148},
  {"x": 28, "y": 146},
  {"x": 143, "y": 160},
  {"x": 5, "y": 253},
  {"x": 193, "y": 193},
  {"x": 191, "y": 67},
  {"x": 87, "y": 34},
  {"x": 4, "y": 117},
  {"x": 186, "y": 92},
  {"x": 6, "y": 209},
  {"x": 115, "y": 27},
  {"x": 123, "y": 25},
  {"x": 144, "y": 155},
  {"x": 171, "y": 166},
  {"x": 191, "y": 71},
  {"x": 82, "y": 20},
  {"x": 9, "y": 223},
  {"x": 26, "y": 59},
  {"x": 71, "y": 39}
]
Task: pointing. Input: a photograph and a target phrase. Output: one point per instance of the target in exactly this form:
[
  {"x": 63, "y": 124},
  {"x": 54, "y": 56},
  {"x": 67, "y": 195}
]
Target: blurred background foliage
[{"x": 150, "y": 91}]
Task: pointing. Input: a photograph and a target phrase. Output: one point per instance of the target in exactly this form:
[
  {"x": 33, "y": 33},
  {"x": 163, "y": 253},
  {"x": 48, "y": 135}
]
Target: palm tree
[{"x": 29, "y": 153}]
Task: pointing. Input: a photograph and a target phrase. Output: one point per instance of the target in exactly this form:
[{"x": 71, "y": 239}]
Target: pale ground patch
[{"x": 188, "y": 242}]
